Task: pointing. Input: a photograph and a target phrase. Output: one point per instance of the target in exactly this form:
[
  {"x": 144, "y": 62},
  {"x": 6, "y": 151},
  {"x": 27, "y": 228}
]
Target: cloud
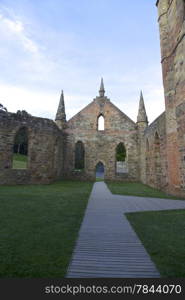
[
  {"x": 23, "y": 59},
  {"x": 44, "y": 104},
  {"x": 154, "y": 103},
  {"x": 34, "y": 102},
  {"x": 39, "y": 59},
  {"x": 14, "y": 28},
  {"x": 39, "y": 103}
]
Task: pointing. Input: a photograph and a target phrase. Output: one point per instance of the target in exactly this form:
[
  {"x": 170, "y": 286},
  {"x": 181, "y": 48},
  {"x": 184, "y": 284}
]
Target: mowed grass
[
  {"x": 162, "y": 234},
  {"x": 39, "y": 226},
  {"x": 19, "y": 161},
  {"x": 99, "y": 179},
  {"x": 137, "y": 189}
]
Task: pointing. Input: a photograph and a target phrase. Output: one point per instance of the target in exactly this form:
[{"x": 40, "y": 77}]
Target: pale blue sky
[{"x": 49, "y": 45}]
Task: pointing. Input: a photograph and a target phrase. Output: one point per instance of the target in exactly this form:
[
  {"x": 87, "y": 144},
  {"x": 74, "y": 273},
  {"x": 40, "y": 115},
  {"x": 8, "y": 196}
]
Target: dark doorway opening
[{"x": 100, "y": 171}]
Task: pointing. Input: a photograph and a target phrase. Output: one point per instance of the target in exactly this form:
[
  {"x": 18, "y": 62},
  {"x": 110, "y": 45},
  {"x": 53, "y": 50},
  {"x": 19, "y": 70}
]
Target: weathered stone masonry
[
  {"x": 44, "y": 149},
  {"x": 155, "y": 168},
  {"x": 172, "y": 36},
  {"x": 100, "y": 146}
]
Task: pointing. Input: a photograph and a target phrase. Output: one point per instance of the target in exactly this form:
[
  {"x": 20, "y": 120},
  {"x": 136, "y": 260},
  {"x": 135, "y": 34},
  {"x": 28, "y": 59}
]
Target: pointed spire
[
  {"x": 61, "y": 115},
  {"x": 102, "y": 90},
  {"x": 142, "y": 116}
]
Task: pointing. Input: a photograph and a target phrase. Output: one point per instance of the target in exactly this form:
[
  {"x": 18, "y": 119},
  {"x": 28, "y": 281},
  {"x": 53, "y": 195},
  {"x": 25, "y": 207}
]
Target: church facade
[
  {"x": 102, "y": 138},
  {"x": 93, "y": 137}
]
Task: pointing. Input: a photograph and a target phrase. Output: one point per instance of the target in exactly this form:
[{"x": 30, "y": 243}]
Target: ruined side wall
[
  {"x": 45, "y": 157},
  {"x": 156, "y": 163},
  {"x": 172, "y": 36},
  {"x": 101, "y": 145}
]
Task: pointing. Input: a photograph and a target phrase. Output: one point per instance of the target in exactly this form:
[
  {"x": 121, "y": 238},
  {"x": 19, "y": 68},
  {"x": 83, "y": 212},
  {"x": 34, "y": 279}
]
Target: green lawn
[
  {"x": 39, "y": 226},
  {"x": 163, "y": 235},
  {"x": 19, "y": 161},
  {"x": 137, "y": 189},
  {"x": 99, "y": 179}
]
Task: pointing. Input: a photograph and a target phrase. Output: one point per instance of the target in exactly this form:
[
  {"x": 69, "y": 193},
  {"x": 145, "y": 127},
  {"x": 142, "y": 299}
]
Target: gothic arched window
[
  {"x": 147, "y": 146},
  {"x": 79, "y": 156},
  {"x": 121, "y": 153},
  {"x": 20, "y": 149},
  {"x": 157, "y": 159},
  {"x": 147, "y": 159},
  {"x": 101, "y": 123}
]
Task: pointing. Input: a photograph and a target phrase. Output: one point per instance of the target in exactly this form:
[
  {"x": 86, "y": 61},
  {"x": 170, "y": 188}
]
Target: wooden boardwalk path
[{"x": 107, "y": 245}]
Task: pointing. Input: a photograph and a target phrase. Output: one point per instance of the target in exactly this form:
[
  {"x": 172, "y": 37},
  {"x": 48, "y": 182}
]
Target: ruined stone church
[{"x": 91, "y": 140}]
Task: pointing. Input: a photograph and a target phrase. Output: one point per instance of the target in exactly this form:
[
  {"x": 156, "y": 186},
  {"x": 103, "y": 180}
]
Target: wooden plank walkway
[{"x": 107, "y": 245}]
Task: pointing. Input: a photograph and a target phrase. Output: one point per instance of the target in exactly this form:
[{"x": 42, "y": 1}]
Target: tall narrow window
[
  {"x": 157, "y": 160},
  {"x": 147, "y": 146},
  {"x": 101, "y": 123},
  {"x": 147, "y": 161},
  {"x": 79, "y": 156},
  {"x": 56, "y": 159},
  {"x": 20, "y": 149},
  {"x": 121, "y": 165}
]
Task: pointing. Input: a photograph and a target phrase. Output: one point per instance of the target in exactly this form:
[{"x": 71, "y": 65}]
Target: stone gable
[{"x": 101, "y": 145}]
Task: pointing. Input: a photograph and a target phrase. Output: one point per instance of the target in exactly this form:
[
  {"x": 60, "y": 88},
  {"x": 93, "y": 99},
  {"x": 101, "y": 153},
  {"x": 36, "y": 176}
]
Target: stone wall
[
  {"x": 45, "y": 149},
  {"x": 155, "y": 154},
  {"x": 100, "y": 146},
  {"x": 172, "y": 37}
]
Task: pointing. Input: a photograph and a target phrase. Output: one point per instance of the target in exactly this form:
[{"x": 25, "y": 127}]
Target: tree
[
  {"x": 121, "y": 152},
  {"x": 2, "y": 108},
  {"x": 21, "y": 142}
]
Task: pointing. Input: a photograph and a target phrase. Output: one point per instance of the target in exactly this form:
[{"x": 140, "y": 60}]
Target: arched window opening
[
  {"x": 79, "y": 156},
  {"x": 100, "y": 171},
  {"x": 147, "y": 146},
  {"x": 20, "y": 149},
  {"x": 147, "y": 161},
  {"x": 157, "y": 160},
  {"x": 56, "y": 159},
  {"x": 156, "y": 143},
  {"x": 101, "y": 123},
  {"x": 121, "y": 154}
]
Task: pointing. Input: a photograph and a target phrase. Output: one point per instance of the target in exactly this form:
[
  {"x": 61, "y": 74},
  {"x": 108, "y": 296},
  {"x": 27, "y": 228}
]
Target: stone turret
[
  {"x": 101, "y": 99},
  {"x": 142, "y": 123},
  {"x": 61, "y": 115},
  {"x": 102, "y": 90},
  {"x": 142, "y": 116}
]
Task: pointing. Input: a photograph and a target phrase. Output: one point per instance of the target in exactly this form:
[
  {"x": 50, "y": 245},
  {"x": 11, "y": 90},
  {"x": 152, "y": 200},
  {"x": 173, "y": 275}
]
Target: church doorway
[{"x": 100, "y": 171}]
